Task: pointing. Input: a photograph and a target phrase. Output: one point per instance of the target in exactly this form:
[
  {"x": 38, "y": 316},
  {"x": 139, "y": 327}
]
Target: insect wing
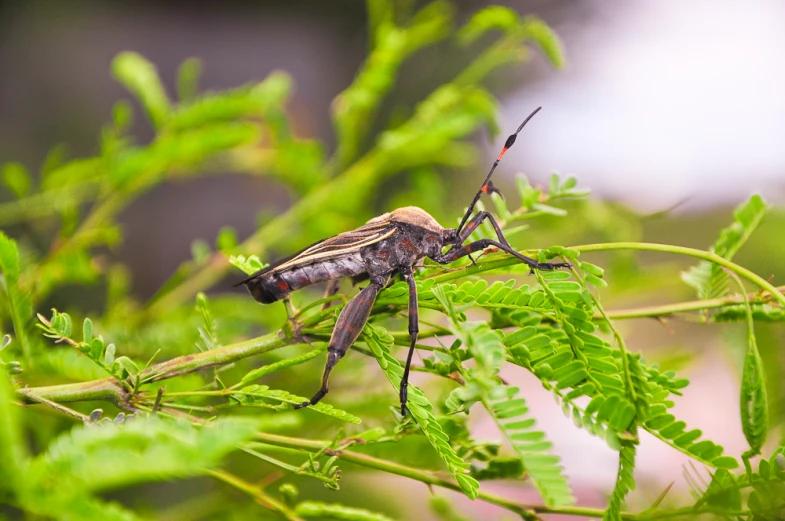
[{"x": 345, "y": 243}]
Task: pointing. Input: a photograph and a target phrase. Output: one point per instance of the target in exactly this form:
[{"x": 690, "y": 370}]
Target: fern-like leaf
[
  {"x": 282, "y": 364},
  {"x": 380, "y": 341},
  {"x": 94, "y": 458},
  {"x": 708, "y": 278},
  {"x": 510, "y": 414},
  {"x": 258, "y": 395},
  {"x": 754, "y": 400},
  {"x": 624, "y": 482},
  {"x": 322, "y": 510}
]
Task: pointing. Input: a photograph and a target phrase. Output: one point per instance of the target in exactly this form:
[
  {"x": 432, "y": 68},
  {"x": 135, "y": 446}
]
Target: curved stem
[
  {"x": 502, "y": 261},
  {"x": 691, "y": 252},
  {"x": 525, "y": 510}
]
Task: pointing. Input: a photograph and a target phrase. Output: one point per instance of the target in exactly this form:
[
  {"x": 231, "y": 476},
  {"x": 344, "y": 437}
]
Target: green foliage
[
  {"x": 108, "y": 455},
  {"x": 249, "y": 265},
  {"x": 191, "y": 378},
  {"x": 321, "y": 510},
  {"x": 60, "y": 328},
  {"x": 445, "y": 510},
  {"x": 754, "y": 400},
  {"x": 12, "y": 449},
  {"x": 259, "y": 395},
  {"x": 18, "y": 300},
  {"x": 353, "y": 109},
  {"x": 709, "y": 279},
  {"x": 380, "y": 341},
  {"x": 531, "y": 446},
  {"x": 140, "y": 77},
  {"x": 625, "y": 481}
]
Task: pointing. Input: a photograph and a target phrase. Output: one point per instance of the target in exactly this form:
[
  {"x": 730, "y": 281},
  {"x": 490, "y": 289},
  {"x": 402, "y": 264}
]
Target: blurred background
[{"x": 672, "y": 110}]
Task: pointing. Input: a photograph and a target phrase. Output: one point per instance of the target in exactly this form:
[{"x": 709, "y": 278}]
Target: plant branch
[
  {"x": 527, "y": 511},
  {"x": 503, "y": 261},
  {"x": 684, "y": 307},
  {"x": 114, "y": 391},
  {"x": 255, "y": 492}
]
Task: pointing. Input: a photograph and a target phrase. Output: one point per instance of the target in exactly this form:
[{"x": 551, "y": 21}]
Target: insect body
[{"x": 389, "y": 244}]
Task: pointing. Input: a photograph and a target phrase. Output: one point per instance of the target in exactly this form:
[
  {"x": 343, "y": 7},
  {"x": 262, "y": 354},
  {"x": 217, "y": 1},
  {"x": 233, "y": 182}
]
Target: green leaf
[
  {"x": 538, "y": 32},
  {"x": 543, "y": 468},
  {"x": 87, "y": 331},
  {"x": 754, "y": 403},
  {"x": 107, "y": 455},
  {"x": 249, "y": 265},
  {"x": 445, "y": 510},
  {"x": 12, "y": 442},
  {"x": 322, "y": 510},
  {"x": 20, "y": 302},
  {"x": 141, "y": 78},
  {"x": 71, "y": 505},
  {"x": 188, "y": 79},
  {"x": 282, "y": 364},
  {"x": 354, "y": 108},
  {"x": 708, "y": 278},
  {"x": 420, "y": 409},
  {"x": 625, "y": 481},
  {"x": 16, "y": 179},
  {"x": 260, "y": 100},
  {"x": 255, "y": 395},
  {"x": 226, "y": 239}
]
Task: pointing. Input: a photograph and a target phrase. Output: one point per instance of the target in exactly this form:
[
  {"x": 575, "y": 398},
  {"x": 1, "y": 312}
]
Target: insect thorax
[{"x": 414, "y": 216}]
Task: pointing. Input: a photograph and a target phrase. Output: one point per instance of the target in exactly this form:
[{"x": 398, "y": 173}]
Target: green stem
[
  {"x": 528, "y": 511},
  {"x": 56, "y": 406},
  {"x": 112, "y": 390},
  {"x": 257, "y": 493},
  {"x": 690, "y": 252},
  {"x": 503, "y": 261},
  {"x": 522, "y": 509},
  {"x": 684, "y": 307}
]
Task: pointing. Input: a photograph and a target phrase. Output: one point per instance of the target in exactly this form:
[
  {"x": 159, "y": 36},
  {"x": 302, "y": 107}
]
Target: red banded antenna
[{"x": 487, "y": 185}]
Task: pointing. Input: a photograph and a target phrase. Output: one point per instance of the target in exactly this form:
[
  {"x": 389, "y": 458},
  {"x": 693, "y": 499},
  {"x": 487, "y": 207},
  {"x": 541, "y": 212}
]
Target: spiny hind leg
[{"x": 348, "y": 327}]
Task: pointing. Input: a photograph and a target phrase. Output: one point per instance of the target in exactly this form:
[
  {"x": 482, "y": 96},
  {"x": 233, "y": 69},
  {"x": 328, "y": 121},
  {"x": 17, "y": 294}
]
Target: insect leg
[
  {"x": 348, "y": 327},
  {"x": 459, "y": 251},
  {"x": 477, "y": 220},
  {"x": 332, "y": 288},
  {"x": 413, "y": 331}
]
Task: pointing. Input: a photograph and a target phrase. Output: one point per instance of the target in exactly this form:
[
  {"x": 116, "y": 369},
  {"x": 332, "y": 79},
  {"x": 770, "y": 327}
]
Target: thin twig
[{"x": 257, "y": 493}]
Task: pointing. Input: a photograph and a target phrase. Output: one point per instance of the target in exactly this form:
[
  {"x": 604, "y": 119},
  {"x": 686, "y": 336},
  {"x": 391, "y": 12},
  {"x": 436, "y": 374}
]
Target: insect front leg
[
  {"x": 414, "y": 329},
  {"x": 459, "y": 251},
  {"x": 348, "y": 327},
  {"x": 476, "y": 221}
]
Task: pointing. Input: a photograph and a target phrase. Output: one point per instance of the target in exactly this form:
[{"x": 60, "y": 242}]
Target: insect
[{"x": 389, "y": 244}]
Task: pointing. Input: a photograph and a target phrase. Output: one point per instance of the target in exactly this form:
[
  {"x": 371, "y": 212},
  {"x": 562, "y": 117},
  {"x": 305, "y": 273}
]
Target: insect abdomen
[{"x": 273, "y": 286}]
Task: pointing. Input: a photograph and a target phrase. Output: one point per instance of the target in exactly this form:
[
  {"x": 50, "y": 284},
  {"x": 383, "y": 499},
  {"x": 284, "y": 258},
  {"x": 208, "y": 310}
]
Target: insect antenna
[{"x": 487, "y": 185}]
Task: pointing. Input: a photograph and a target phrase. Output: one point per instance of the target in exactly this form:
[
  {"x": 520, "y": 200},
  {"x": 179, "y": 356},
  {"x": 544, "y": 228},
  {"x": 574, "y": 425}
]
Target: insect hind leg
[
  {"x": 348, "y": 327},
  {"x": 333, "y": 355}
]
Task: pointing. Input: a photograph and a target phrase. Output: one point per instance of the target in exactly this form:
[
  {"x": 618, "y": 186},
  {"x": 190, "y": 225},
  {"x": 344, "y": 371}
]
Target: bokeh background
[{"x": 674, "y": 110}]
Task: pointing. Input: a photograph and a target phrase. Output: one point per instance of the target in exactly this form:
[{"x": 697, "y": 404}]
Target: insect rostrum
[{"x": 385, "y": 245}]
